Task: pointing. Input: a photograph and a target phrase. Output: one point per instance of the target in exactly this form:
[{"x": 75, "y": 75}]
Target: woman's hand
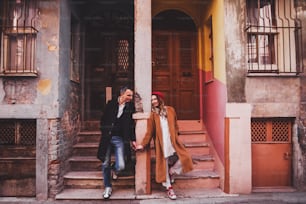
[{"x": 139, "y": 147}]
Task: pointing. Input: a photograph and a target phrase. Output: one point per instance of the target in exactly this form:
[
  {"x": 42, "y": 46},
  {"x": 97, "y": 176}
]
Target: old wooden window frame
[
  {"x": 18, "y": 38},
  {"x": 273, "y": 37}
]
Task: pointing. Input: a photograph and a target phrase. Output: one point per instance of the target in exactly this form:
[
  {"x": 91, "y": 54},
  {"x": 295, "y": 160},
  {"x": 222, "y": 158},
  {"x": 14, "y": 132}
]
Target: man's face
[{"x": 127, "y": 95}]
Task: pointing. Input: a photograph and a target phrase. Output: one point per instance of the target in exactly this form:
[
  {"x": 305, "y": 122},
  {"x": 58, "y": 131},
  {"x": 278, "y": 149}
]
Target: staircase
[{"x": 84, "y": 181}]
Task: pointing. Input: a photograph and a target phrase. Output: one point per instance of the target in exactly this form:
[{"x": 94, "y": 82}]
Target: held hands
[
  {"x": 136, "y": 147},
  {"x": 139, "y": 148}
]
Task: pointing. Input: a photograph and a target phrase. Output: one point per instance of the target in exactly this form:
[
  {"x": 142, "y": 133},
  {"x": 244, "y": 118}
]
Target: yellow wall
[{"x": 216, "y": 11}]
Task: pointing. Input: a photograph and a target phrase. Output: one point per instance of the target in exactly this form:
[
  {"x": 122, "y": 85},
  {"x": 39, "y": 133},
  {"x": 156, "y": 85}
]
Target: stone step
[
  {"x": 184, "y": 125},
  {"x": 89, "y": 136},
  {"x": 85, "y": 180},
  {"x": 190, "y": 125},
  {"x": 193, "y": 137},
  {"x": 85, "y": 149},
  {"x": 94, "y": 136},
  {"x": 90, "y": 148},
  {"x": 129, "y": 194},
  {"x": 196, "y": 178},
  {"x": 203, "y": 162},
  {"x": 94, "y": 180},
  {"x": 91, "y": 125},
  {"x": 91, "y": 163},
  {"x": 197, "y": 148}
]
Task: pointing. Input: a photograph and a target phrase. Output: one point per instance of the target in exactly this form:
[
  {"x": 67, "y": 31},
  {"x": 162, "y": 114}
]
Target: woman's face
[{"x": 154, "y": 101}]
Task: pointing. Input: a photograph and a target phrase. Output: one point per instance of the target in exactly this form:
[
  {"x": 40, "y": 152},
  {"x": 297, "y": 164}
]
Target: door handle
[{"x": 287, "y": 155}]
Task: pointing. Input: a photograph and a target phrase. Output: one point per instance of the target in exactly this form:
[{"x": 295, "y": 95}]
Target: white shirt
[
  {"x": 168, "y": 148},
  {"x": 120, "y": 110}
]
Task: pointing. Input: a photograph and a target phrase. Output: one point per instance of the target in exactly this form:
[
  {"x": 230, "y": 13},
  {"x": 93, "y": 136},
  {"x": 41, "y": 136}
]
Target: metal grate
[
  {"x": 123, "y": 55},
  {"x": 274, "y": 37},
  {"x": 18, "y": 43},
  {"x": 280, "y": 131},
  {"x": 271, "y": 130},
  {"x": 18, "y": 132},
  {"x": 259, "y": 130}
]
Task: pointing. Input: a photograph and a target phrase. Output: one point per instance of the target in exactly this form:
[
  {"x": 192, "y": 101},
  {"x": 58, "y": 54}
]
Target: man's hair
[{"x": 123, "y": 89}]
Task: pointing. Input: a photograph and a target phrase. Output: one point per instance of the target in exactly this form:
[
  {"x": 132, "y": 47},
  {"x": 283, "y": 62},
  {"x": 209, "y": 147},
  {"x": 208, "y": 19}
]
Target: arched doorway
[{"x": 174, "y": 68}]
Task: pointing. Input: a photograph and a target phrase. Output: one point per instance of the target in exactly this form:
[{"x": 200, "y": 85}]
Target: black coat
[{"x": 110, "y": 125}]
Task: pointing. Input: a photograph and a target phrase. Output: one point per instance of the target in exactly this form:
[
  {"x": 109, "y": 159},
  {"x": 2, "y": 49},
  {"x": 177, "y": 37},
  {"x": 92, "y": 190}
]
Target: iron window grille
[
  {"x": 274, "y": 37},
  {"x": 271, "y": 130},
  {"x": 18, "y": 37},
  {"x": 18, "y": 132}
]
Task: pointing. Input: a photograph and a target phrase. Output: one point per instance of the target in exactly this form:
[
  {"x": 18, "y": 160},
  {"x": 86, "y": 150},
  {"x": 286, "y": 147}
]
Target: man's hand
[{"x": 133, "y": 145}]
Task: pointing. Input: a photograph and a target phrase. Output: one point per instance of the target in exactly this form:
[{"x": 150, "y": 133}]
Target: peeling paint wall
[
  {"x": 235, "y": 41},
  {"x": 269, "y": 96},
  {"x": 300, "y": 159},
  {"x": 51, "y": 98}
]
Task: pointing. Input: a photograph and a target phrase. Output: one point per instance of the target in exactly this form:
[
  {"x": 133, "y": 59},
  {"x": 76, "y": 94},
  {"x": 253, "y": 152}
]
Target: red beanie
[{"x": 159, "y": 94}]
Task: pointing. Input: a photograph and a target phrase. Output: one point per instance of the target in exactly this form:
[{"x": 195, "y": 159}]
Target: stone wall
[
  {"x": 62, "y": 137},
  {"x": 301, "y": 4}
]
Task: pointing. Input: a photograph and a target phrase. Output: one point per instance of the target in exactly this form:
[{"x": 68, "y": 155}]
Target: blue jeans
[{"x": 118, "y": 145}]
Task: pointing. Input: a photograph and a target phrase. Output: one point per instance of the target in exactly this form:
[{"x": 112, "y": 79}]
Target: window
[
  {"x": 271, "y": 130},
  {"x": 273, "y": 37},
  {"x": 123, "y": 55},
  {"x": 18, "y": 37},
  {"x": 18, "y": 132},
  {"x": 210, "y": 74}
]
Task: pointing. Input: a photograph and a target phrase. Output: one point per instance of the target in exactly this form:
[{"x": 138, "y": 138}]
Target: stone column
[
  {"x": 143, "y": 83},
  {"x": 42, "y": 160},
  {"x": 238, "y": 152}
]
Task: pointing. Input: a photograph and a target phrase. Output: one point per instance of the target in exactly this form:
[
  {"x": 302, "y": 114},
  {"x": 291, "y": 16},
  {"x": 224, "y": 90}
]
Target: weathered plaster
[
  {"x": 235, "y": 50},
  {"x": 44, "y": 86},
  {"x": 270, "y": 98},
  {"x": 19, "y": 91}
]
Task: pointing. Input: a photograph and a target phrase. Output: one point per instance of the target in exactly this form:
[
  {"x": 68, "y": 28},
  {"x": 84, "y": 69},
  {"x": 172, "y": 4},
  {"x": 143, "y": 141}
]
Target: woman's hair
[{"x": 160, "y": 109}]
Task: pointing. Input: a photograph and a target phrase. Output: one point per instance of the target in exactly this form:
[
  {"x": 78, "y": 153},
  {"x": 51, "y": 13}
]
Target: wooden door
[
  {"x": 108, "y": 54},
  {"x": 271, "y": 153},
  {"x": 174, "y": 71}
]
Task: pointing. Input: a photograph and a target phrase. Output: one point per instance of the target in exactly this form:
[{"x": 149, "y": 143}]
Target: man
[{"x": 117, "y": 126}]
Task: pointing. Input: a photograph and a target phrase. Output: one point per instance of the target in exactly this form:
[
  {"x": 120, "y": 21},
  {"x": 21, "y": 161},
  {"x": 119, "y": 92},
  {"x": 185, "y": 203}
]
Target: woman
[{"x": 162, "y": 127}]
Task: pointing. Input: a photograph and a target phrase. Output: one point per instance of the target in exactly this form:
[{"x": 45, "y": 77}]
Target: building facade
[{"x": 235, "y": 66}]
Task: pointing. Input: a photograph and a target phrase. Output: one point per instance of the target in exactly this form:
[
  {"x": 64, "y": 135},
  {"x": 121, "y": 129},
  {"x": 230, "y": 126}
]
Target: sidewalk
[{"x": 186, "y": 196}]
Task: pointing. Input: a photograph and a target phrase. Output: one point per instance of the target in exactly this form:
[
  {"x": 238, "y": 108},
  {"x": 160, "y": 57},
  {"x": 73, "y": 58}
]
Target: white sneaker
[
  {"x": 107, "y": 193},
  {"x": 170, "y": 193}
]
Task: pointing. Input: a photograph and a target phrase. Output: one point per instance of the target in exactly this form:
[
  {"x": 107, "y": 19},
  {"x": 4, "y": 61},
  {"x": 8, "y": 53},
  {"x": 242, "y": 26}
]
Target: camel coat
[{"x": 154, "y": 131}]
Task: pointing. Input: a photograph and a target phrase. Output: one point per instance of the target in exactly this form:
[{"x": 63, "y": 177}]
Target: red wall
[{"x": 214, "y": 102}]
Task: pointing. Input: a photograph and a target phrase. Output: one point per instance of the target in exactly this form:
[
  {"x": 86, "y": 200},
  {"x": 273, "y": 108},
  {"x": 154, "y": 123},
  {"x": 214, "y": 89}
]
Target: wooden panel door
[
  {"x": 174, "y": 71},
  {"x": 271, "y": 153}
]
